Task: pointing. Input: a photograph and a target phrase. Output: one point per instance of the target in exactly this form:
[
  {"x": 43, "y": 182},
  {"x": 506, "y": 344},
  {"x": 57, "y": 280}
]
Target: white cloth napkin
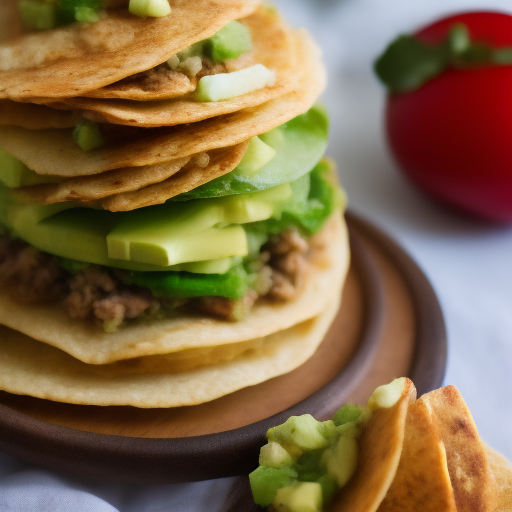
[{"x": 468, "y": 262}]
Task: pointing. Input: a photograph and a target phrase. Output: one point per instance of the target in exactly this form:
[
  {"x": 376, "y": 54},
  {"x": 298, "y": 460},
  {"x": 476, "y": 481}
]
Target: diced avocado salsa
[
  {"x": 306, "y": 461},
  {"x": 202, "y": 243}
]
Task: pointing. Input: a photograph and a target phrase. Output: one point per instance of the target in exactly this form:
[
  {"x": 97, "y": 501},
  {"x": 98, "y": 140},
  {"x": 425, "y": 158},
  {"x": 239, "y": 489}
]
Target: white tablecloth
[{"x": 467, "y": 261}]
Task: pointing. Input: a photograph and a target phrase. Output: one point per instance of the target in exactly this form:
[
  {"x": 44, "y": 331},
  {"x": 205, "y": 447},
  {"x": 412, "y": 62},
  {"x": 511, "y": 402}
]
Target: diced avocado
[
  {"x": 299, "y": 145},
  {"x": 299, "y": 497},
  {"x": 328, "y": 430},
  {"x": 257, "y": 155},
  {"x": 37, "y": 15},
  {"x": 171, "y": 234},
  {"x": 230, "y": 85},
  {"x": 86, "y": 15},
  {"x": 88, "y": 136},
  {"x": 302, "y": 431},
  {"x": 273, "y": 455},
  {"x": 329, "y": 488},
  {"x": 388, "y": 395},
  {"x": 341, "y": 461},
  {"x": 229, "y": 42},
  {"x": 308, "y": 465},
  {"x": 346, "y": 414},
  {"x": 14, "y": 173},
  {"x": 265, "y": 483},
  {"x": 149, "y": 8}
]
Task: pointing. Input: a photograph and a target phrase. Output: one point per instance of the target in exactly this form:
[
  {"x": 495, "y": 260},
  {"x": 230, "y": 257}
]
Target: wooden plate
[{"x": 389, "y": 325}]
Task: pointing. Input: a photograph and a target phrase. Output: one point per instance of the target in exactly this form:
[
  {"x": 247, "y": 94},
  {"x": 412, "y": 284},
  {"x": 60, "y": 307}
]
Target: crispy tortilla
[
  {"x": 471, "y": 477},
  {"x": 54, "y": 152},
  {"x": 72, "y": 60},
  {"x": 134, "y": 187},
  {"x": 380, "y": 447},
  {"x": 222, "y": 161},
  {"x": 274, "y": 47},
  {"x": 28, "y": 367},
  {"x": 87, "y": 342},
  {"x": 35, "y": 117},
  {"x": 501, "y": 469},
  {"x": 422, "y": 481}
]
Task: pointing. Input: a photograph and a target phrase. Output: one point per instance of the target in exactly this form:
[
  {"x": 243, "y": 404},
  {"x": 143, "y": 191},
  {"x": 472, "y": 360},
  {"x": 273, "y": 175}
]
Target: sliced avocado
[
  {"x": 230, "y": 85},
  {"x": 171, "y": 234},
  {"x": 88, "y": 136},
  {"x": 303, "y": 432},
  {"x": 299, "y": 497},
  {"x": 265, "y": 483},
  {"x": 257, "y": 155},
  {"x": 299, "y": 144},
  {"x": 273, "y": 455},
  {"x": 37, "y": 15},
  {"x": 149, "y": 8},
  {"x": 229, "y": 42},
  {"x": 14, "y": 173}
]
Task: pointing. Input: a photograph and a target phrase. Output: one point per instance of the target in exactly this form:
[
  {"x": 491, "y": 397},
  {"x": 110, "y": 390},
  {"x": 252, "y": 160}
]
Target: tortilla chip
[
  {"x": 98, "y": 186},
  {"x": 28, "y": 367},
  {"x": 72, "y": 60},
  {"x": 222, "y": 161},
  {"x": 54, "y": 152},
  {"x": 87, "y": 342},
  {"x": 380, "y": 447},
  {"x": 422, "y": 482},
  {"x": 274, "y": 47},
  {"x": 35, "y": 117},
  {"x": 501, "y": 469},
  {"x": 472, "y": 481}
]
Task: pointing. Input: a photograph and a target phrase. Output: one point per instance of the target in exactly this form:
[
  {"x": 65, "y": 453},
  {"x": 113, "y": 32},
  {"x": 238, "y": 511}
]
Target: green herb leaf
[{"x": 407, "y": 64}]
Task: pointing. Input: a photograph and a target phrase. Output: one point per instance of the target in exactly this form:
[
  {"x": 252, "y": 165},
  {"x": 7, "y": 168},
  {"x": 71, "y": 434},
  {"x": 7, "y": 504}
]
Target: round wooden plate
[{"x": 389, "y": 325}]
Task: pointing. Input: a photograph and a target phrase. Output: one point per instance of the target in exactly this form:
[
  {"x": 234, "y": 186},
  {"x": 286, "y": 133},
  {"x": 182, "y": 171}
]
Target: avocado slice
[
  {"x": 299, "y": 144},
  {"x": 257, "y": 155}
]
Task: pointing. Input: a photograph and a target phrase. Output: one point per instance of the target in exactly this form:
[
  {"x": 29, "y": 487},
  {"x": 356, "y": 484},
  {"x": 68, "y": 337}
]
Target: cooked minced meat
[{"x": 97, "y": 293}]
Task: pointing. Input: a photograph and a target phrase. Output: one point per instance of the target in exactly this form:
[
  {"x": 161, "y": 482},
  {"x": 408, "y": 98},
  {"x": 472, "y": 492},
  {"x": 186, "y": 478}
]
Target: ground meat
[
  {"x": 29, "y": 275},
  {"x": 228, "y": 309},
  {"x": 288, "y": 260},
  {"x": 97, "y": 293}
]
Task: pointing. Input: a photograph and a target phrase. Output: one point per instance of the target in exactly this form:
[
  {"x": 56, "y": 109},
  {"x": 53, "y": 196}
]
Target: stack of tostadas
[{"x": 170, "y": 230}]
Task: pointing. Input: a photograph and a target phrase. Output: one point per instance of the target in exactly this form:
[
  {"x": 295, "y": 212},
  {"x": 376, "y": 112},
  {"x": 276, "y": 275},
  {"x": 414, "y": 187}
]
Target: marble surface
[{"x": 467, "y": 261}]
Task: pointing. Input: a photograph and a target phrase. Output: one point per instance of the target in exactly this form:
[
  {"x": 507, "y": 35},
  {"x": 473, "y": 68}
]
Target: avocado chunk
[
  {"x": 341, "y": 461},
  {"x": 265, "y": 483},
  {"x": 88, "y": 136},
  {"x": 299, "y": 497},
  {"x": 149, "y": 8},
  {"x": 346, "y": 414},
  {"x": 257, "y": 155},
  {"x": 229, "y": 42},
  {"x": 69, "y": 11},
  {"x": 388, "y": 395},
  {"x": 303, "y": 432},
  {"x": 230, "y": 85},
  {"x": 37, "y": 15},
  {"x": 273, "y": 455},
  {"x": 14, "y": 173}
]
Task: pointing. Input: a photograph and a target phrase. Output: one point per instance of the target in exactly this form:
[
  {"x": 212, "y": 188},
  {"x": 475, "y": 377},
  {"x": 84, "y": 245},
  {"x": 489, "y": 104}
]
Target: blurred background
[{"x": 469, "y": 262}]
